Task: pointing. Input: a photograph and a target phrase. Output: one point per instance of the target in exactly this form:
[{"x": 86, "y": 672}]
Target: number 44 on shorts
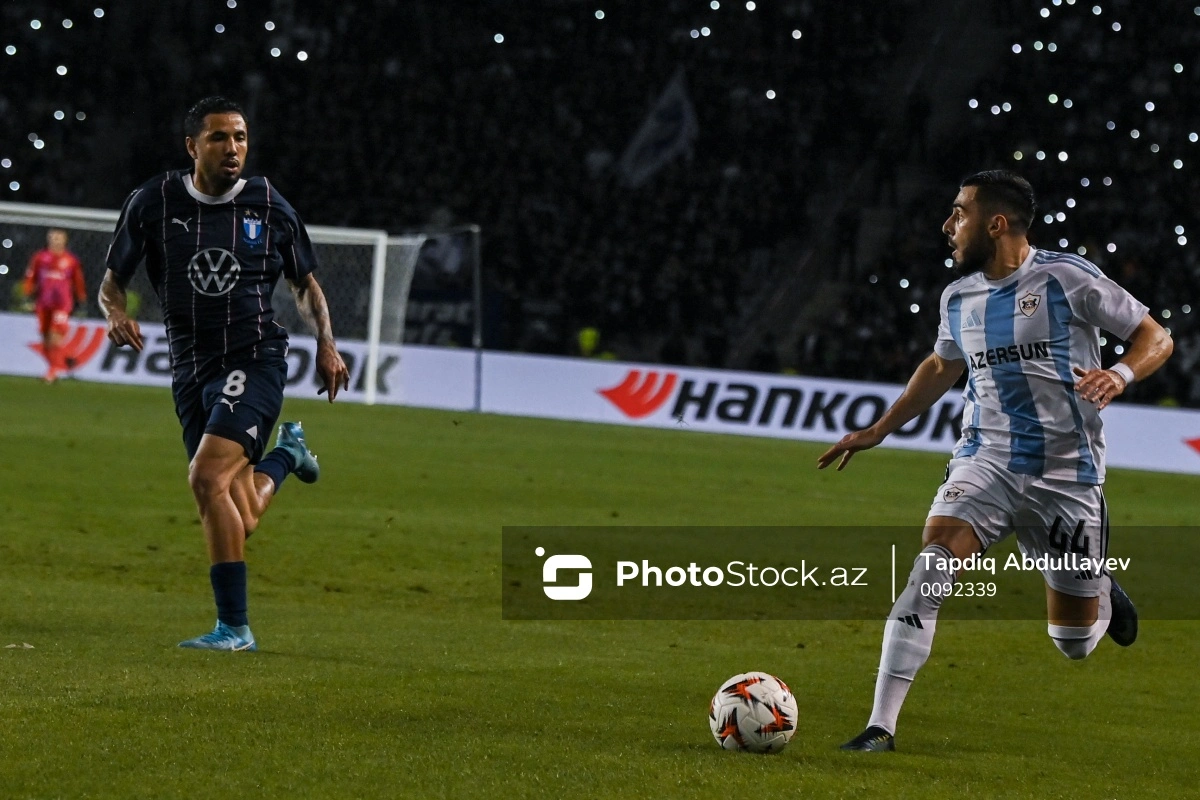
[{"x": 1065, "y": 542}]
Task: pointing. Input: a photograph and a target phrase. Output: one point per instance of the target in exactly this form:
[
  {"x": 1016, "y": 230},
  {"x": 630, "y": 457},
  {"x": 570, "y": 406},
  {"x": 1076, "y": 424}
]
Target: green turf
[{"x": 386, "y": 671}]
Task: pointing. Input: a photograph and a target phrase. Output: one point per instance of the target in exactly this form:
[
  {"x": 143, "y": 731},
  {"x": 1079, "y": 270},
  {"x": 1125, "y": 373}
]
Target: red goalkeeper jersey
[{"x": 56, "y": 279}]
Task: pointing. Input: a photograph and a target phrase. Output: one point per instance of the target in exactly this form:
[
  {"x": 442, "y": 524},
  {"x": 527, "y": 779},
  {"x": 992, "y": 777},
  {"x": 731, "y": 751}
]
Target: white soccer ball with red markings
[{"x": 755, "y": 712}]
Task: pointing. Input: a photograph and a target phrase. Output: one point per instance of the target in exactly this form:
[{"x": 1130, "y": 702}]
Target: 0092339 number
[{"x": 961, "y": 589}]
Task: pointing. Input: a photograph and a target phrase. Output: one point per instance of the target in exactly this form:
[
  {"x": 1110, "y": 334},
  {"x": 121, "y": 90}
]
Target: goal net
[{"x": 366, "y": 275}]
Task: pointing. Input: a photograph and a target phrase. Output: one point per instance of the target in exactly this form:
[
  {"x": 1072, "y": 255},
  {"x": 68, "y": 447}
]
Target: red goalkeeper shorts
[{"x": 53, "y": 320}]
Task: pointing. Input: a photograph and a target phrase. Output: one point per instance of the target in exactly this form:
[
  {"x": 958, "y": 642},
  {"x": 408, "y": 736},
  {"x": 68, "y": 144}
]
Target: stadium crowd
[
  {"x": 1096, "y": 106},
  {"x": 416, "y": 114},
  {"x": 515, "y": 115}
]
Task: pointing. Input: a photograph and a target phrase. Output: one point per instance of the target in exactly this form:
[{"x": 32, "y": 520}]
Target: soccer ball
[{"x": 755, "y": 712}]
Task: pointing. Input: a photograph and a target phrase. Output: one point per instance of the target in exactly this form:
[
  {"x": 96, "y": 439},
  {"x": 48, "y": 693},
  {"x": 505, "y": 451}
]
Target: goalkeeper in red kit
[{"x": 55, "y": 280}]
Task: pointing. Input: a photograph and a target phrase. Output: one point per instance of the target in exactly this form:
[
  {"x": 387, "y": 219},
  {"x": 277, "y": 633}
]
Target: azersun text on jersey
[{"x": 1020, "y": 337}]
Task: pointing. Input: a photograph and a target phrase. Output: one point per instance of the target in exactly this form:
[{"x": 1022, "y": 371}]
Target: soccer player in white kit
[{"x": 1025, "y": 324}]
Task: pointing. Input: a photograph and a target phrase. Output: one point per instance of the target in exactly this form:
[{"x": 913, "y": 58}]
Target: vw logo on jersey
[
  {"x": 213, "y": 272},
  {"x": 252, "y": 228}
]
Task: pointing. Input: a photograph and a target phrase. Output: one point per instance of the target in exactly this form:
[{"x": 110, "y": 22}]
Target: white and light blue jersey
[{"x": 1020, "y": 337}]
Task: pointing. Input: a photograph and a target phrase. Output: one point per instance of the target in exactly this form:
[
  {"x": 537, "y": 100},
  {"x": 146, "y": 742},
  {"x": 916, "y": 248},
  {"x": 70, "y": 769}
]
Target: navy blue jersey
[{"x": 214, "y": 263}]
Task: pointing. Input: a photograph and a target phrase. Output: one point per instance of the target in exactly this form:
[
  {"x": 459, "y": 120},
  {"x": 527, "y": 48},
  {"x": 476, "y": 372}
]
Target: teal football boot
[
  {"x": 291, "y": 439},
  {"x": 224, "y": 637}
]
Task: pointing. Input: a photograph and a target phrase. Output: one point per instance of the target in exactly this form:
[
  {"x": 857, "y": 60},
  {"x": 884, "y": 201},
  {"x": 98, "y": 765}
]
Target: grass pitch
[{"x": 386, "y": 671}]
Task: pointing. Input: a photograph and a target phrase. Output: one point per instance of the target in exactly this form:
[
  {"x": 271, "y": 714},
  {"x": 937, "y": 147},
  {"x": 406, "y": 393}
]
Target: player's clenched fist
[{"x": 124, "y": 331}]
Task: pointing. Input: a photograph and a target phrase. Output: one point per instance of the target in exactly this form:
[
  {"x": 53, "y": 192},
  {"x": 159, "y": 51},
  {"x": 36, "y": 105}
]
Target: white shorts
[{"x": 1050, "y": 517}]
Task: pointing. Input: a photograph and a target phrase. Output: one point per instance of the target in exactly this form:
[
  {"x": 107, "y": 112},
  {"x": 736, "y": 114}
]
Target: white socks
[
  {"x": 1079, "y": 642},
  {"x": 908, "y": 633}
]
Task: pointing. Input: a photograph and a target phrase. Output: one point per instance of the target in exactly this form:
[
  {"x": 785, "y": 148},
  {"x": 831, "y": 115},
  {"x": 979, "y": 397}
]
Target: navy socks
[
  {"x": 229, "y": 577},
  {"x": 229, "y": 590},
  {"x": 277, "y": 465}
]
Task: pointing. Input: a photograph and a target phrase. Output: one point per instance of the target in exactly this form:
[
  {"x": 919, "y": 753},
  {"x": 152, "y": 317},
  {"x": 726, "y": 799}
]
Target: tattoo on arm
[{"x": 310, "y": 301}]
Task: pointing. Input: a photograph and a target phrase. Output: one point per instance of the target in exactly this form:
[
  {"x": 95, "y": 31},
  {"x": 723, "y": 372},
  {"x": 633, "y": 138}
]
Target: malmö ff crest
[{"x": 252, "y": 229}]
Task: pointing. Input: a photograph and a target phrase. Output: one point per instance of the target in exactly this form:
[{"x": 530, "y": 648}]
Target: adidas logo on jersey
[
  {"x": 972, "y": 320},
  {"x": 912, "y": 620}
]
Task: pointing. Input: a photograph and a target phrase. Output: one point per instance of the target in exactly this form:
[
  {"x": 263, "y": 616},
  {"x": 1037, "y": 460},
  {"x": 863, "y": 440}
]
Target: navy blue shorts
[{"x": 241, "y": 405}]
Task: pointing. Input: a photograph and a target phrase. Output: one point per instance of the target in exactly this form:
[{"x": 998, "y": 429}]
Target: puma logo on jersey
[
  {"x": 228, "y": 402},
  {"x": 183, "y": 222}
]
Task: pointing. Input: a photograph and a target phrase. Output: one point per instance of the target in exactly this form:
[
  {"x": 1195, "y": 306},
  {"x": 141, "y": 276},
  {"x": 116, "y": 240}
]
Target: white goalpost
[{"x": 366, "y": 274}]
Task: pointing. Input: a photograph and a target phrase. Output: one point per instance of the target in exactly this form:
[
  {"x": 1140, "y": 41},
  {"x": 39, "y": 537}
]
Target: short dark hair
[
  {"x": 1005, "y": 192},
  {"x": 193, "y": 120}
]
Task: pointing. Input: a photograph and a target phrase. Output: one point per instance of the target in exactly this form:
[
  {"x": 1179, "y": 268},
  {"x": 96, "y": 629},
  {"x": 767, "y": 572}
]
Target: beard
[{"x": 975, "y": 256}]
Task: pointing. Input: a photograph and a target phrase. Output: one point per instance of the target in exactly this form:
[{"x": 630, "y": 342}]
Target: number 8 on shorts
[{"x": 235, "y": 384}]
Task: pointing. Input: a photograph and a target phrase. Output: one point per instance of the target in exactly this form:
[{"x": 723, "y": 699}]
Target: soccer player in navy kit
[{"x": 215, "y": 244}]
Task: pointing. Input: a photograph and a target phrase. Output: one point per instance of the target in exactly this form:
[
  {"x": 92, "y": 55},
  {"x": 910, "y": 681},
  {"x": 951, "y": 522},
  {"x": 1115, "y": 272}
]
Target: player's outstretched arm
[
  {"x": 29, "y": 284},
  {"x": 310, "y": 301},
  {"x": 121, "y": 329},
  {"x": 1149, "y": 348},
  {"x": 933, "y": 378}
]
